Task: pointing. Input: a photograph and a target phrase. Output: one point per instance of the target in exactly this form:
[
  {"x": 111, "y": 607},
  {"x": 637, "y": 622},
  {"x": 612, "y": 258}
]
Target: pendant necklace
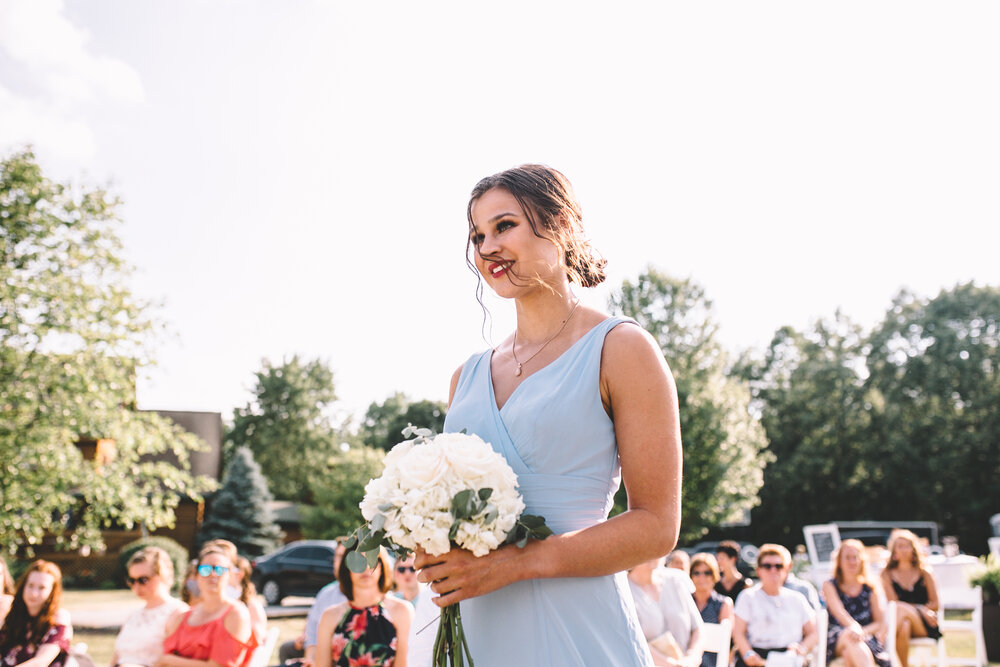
[{"x": 517, "y": 371}]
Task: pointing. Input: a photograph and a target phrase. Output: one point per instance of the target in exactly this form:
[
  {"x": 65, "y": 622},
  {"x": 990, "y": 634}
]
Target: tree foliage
[
  {"x": 72, "y": 337},
  {"x": 239, "y": 511},
  {"x": 809, "y": 391},
  {"x": 894, "y": 425},
  {"x": 338, "y": 488},
  {"x": 286, "y": 425},
  {"x": 722, "y": 442},
  {"x": 384, "y": 422}
]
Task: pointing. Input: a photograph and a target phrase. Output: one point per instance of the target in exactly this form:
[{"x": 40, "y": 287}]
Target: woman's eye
[
  {"x": 504, "y": 225},
  {"x": 476, "y": 239}
]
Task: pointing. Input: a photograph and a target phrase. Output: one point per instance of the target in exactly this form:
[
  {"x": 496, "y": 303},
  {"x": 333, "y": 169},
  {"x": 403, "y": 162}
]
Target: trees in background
[
  {"x": 384, "y": 422},
  {"x": 338, "y": 488},
  {"x": 240, "y": 510},
  {"x": 723, "y": 444},
  {"x": 287, "y": 425},
  {"x": 72, "y": 338},
  {"x": 897, "y": 424}
]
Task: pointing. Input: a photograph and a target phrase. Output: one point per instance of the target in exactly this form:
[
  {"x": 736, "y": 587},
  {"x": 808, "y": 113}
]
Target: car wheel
[{"x": 271, "y": 592}]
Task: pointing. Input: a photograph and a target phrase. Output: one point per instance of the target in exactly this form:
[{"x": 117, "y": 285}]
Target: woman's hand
[
  {"x": 929, "y": 615},
  {"x": 458, "y": 575},
  {"x": 754, "y": 660}
]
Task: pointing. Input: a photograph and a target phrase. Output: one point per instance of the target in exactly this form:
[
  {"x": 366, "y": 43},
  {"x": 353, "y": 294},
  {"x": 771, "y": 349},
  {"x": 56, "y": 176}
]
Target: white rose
[{"x": 421, "y": 467}]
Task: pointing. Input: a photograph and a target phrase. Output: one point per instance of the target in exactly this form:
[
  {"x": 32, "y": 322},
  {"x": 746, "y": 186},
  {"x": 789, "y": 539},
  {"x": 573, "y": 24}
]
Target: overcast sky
[{"x": 295, "y": 173}]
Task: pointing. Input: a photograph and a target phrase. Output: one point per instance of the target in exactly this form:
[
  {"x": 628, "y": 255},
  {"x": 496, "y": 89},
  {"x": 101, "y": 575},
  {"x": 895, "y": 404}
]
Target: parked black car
[
  {"x": 298, "y": 568},
  {"x": 748, "y": 555}
]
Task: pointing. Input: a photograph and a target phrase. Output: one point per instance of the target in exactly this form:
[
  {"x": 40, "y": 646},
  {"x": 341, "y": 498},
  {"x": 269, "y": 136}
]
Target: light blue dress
[{"x": 555, "y": 434}]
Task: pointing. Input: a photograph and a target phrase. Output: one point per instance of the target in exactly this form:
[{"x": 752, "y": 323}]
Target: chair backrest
[
  {"x": 262, "y": 654},
  {"x": 716, "y": 638},
  {"x": 994, "y": 543},
  {"x": 819, "y": 653},
  {"x": 890, "y": 635}
]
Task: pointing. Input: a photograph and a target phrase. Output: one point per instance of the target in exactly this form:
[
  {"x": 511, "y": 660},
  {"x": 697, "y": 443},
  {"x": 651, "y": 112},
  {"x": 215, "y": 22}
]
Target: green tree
[
  {"x": 723, "y": 443},
  {"x": 338, "y": 489},
  {"x": 72, "y": 337},
  {"x": 286, "y": 424},
  {"x": 239, "y": 511},
  {"x": 384, "y": 422},
  {"x": 808, "y": 389},
  {"x": 933, "y": 388}
]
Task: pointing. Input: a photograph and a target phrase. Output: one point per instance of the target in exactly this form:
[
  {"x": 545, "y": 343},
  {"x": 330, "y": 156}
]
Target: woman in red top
[{"x": 215, "y": 633}]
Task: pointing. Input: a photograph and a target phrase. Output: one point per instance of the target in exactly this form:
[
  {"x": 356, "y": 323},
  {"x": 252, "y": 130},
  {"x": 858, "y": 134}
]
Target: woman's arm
[
  {"x": 324, "y": 634},
  {"x": 890, "y": 592},
  {"x": 877, "y": 627},
  {"x": 836, "y": 609},
  {"x": 809, "y": 638},
  {"x": 742, "y": 644},
  {"x": 932, "y": 595},
  {"x": 258, "y": 618},
  {"x": 727, "y": 609},
  {"x": 639, "y": 393},
  {"x": 401, "y": 614}
]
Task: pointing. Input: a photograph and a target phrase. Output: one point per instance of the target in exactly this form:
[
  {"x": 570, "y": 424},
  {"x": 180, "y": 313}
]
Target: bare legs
[
  {"x": 908, "y": 625},
  {"x": 854, "y": 651}
]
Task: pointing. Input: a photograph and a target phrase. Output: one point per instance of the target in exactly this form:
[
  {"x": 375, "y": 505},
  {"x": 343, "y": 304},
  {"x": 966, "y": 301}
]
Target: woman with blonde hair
[
  {"x": 856, "y": 619},
  {"x": 37, "y": 630},
  {"x": 150, "y": 576},
  {"x": 713, "y": 606},
  {"x": 909, "y": 582}
]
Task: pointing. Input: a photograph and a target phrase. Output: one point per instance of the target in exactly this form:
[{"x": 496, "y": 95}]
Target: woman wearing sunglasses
[
  {"x": 771, "y": 618},
  {"x": 216, "y": 632},
  {"x": 713, "y": 606},
  {"x": 150, "y": 576}
]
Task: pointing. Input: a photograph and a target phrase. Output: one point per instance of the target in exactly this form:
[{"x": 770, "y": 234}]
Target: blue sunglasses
[{"x": 208, "y": 570}]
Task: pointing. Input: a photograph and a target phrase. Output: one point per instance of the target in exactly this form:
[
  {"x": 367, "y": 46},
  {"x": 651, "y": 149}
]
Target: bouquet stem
[{"x": 450, "y": 647}]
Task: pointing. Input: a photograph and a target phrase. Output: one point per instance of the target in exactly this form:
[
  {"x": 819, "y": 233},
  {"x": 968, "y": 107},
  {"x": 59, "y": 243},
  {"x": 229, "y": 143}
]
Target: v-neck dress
[{"x": 555, "y": 434}]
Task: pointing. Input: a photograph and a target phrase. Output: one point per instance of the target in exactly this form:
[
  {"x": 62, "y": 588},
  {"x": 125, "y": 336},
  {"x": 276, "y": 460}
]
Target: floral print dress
[
  {"x": 860, "y": 609},
  {"x": 365, "y": 637},
  {"x": 57, "y": 634}
]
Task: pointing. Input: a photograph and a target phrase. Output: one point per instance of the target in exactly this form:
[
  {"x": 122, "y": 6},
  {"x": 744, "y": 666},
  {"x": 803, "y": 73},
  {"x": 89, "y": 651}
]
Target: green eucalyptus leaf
[
  {"x": 356, "y": 561},
  {"x": 377, "y": 522},
  {"x": 484, "y": 494}
]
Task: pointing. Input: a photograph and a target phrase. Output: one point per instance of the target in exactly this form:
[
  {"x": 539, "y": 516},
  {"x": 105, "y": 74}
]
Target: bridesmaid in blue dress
[{"x": 576, "y": 401}]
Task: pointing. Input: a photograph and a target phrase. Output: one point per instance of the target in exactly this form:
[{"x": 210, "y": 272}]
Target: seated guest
[
  {"x": 770, "y": 617},
  {"x": 217, "y": 632},
  {"x": 423, "y": 630},
  {"x": 140, "y": 640},
  {"x": 907, "y": 581},
  {"x": 302, "y": 649},
  {"x": 667, "y": 614},
  {"x": 731, "y": 582},
  {"x": 37, "y": 631},
  {"x": 679, "y": 560},
  {"x": 6, "y": 590},
  {"x": 370, "y": 628},
  {"x": 802, "y": 586},
  {"x": 190, "y": 595},
  {"x": 712, "y": 605},
  {"x": 856, "y": 618}
]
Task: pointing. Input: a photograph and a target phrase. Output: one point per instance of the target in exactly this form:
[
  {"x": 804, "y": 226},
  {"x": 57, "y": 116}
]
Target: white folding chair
[
  {"x": 262, "y": 654},
  {"x": 819, "y": 652},
  {"x": 716, "y": 638}
]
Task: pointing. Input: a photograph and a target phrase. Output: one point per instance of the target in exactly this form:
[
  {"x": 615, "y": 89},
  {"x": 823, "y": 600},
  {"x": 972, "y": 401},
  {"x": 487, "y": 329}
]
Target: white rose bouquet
[{"x": 437, "y": 492}]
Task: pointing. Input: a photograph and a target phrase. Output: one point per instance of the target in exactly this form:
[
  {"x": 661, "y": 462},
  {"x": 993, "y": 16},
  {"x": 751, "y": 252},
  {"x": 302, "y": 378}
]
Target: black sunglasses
[
  {"x": 772, "y": 566},
  {"x": 403, "y": 569},
  {"x": 142, "y": 581}
]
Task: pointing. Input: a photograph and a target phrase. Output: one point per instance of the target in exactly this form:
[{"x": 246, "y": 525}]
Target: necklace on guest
[{"x": 517, "y": 371}]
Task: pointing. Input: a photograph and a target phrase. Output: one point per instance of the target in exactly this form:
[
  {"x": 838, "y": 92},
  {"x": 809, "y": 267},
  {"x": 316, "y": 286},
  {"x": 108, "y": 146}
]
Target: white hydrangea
[{"x": 416, "y": 489}]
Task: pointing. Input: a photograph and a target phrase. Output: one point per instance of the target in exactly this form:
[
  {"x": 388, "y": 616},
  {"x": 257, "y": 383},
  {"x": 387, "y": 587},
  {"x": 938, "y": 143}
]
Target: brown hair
[
  {"x": 186, "y": 595},
  {"x": 547, "y": 199},
  {"x": 838, "y": 570},
  {"x": 158, "y": 560},
  {"x": 774, "y": 550},
  {"x": 222, "y": 546},
  {"x": 247, "y": 589},
  {"x": 729, "y": 547},
  {"x": 22, "y": 628},
  {"x": 6, "y": 582},
  {"x": 917, "y": 559},
  {"x": 344, "y": 574},
  {"x": 707, "y": 560}
]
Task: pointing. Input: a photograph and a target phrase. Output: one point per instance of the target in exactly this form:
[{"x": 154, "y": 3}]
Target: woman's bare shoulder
[{"x": 62, "y": 617}]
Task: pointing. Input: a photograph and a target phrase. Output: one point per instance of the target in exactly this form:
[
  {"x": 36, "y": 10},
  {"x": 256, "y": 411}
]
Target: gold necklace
[{"x": 517, "y": 371}]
